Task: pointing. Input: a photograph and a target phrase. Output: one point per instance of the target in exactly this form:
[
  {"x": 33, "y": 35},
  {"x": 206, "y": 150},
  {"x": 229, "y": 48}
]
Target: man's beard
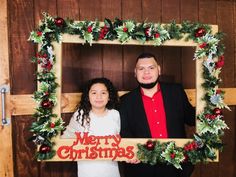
[{"x": 149, "y": 85}]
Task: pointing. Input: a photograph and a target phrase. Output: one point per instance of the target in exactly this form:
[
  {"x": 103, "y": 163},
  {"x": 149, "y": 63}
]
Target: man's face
[{"x": 147, "y": 70}]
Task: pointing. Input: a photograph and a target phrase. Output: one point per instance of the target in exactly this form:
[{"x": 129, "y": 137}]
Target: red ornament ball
[
  {"x": 44, "y": 149},
  {"x": 47, "y": 104},
  {"x": 200, "y": 32},
  {"x": 150, "y": 145},
  {"x": 217, "y": 111},
  {"x": 59, "y": 22}
]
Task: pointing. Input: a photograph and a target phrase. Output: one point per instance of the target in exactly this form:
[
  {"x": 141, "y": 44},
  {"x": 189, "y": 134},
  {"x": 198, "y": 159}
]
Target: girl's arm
[{"x": 73, "y": 127}]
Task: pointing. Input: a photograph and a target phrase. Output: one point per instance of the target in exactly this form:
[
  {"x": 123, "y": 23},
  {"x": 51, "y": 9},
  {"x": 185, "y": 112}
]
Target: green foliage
[
  {"x": 43, "y": 156},
  {"x": 174, "y": 30},
  {"x": 151, "y": 156}
]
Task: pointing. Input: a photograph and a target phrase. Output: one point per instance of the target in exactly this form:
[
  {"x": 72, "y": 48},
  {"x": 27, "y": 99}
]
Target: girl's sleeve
[
  {"x": 72, "y": 127},
  {"x": 118, "y": 123}
]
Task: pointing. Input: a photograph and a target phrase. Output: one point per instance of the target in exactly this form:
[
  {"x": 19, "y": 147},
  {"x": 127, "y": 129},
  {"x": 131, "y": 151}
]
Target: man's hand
[{"x": 133, "y": 161}]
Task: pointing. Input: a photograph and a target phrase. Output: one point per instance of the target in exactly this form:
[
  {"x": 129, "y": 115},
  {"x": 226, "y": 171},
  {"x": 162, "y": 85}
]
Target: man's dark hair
[{"x": 146, "y": 55}]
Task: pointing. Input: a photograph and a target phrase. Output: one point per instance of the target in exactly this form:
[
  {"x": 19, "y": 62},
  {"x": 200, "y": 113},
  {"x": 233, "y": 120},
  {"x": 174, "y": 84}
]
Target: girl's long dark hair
[{"x": 84, "y": 106}]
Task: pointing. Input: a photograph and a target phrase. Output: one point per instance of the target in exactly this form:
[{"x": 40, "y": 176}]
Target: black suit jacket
[{"x": 134, "y": 124}]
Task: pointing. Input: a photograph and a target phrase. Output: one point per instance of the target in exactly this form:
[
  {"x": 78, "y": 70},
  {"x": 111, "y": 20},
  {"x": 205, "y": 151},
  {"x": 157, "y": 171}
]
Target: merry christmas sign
[{"x": 92, "y": 147}]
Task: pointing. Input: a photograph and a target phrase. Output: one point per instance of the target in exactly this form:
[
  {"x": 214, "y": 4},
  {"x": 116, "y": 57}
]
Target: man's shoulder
[
  {"x": 170, "y": 85},
  {"x": 130, "y": 95}
]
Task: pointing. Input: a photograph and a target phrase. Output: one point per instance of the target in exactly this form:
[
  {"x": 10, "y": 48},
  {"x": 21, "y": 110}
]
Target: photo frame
[{"x": 54, "y": 32}]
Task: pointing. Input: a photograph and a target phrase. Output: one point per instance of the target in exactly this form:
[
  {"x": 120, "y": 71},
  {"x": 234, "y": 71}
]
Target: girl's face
[{"x": 98, "y": 96}]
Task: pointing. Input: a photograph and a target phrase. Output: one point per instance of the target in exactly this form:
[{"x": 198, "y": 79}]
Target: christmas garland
[{"x": 210, "y": 124}]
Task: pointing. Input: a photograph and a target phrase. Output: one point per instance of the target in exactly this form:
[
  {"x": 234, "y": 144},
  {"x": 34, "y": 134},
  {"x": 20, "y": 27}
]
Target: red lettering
[
  {"x": 80, "y": 139},
  {"x": 117, "y": 139},
  {"x": 109, "y": 148},
  {"x": 63, "y": 152},
  {"x": 92, "y": 140},
  {"x": 130, "y": 153},
  {"x": 93, "y": 154}
]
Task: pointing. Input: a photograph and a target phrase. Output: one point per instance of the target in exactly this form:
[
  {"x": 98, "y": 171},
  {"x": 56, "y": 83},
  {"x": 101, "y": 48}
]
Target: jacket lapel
[
  {"x": 167, "y": 106},
  {"x": 140, "y": 115}
]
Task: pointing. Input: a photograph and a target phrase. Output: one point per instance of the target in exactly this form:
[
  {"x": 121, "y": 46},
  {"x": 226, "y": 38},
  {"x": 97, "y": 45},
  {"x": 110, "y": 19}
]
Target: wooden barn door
[{"x": 6, "y": 155}]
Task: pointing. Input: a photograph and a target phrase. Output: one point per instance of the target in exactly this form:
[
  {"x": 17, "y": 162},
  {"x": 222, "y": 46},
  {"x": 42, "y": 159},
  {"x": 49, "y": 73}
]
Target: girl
[{"x": 97, "y": 116}]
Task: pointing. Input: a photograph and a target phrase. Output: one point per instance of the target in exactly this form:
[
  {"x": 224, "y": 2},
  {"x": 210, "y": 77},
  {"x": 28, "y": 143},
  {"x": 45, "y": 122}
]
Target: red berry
[
  {"x": 125, "y": 29},
  {"x": 45, "y": 55},
  {"x": 157, "y": 35},
  {"x": 212, "y": 117},
  {"x": 203, "y": 45},
  {"x": 105, "y": 29},
  {"x": 39, "y": 33},
  {"x": 90, "y": 29},
  {"x": 220, "y": 63},
  {"x": 101, "y": 35},
  {"x": 218, "y": 91},
  {"x": 217, "y": 111},
  {"x": 186, "y": 157},
  {"x": 172, "y": 155},
  {"x": 52, "y": 125},
  {"x": 49, "y": 66},
  {"x": 146, "y": 31}
]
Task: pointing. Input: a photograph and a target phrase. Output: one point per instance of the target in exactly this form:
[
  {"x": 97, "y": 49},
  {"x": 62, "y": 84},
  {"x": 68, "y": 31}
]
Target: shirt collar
[{"x": 158, "y": 89}]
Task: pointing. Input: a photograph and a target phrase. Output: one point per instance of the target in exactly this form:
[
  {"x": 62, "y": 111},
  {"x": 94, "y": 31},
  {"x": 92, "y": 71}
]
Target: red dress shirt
[{"x": 155, "y": 112}]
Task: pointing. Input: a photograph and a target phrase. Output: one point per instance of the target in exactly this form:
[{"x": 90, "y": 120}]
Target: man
[{"x": 155, "y": 110}]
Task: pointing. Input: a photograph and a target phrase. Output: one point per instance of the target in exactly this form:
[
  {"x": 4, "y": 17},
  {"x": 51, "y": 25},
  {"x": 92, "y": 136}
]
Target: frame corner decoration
[{"x": 209, "y": 55}]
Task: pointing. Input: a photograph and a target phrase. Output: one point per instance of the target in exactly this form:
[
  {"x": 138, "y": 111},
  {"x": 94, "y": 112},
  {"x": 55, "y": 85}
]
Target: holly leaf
[
  {"x": 157, "y": 41},
  {"x": 121, "y": 35},
  {"x": 117, "y": 22},
  {"x": 88, "y": 37},
  {"x": 214, "y": 126},
  {"x": 130, "y": 26},
  {"x": 178, "y": 155},
  {"x": 108, "y": 23},
  {"x": 35, "y": 37}
]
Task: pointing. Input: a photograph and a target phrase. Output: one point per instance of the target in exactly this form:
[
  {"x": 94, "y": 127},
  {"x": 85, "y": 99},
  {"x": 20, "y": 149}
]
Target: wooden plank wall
[{"x": 81, "y": 63}]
